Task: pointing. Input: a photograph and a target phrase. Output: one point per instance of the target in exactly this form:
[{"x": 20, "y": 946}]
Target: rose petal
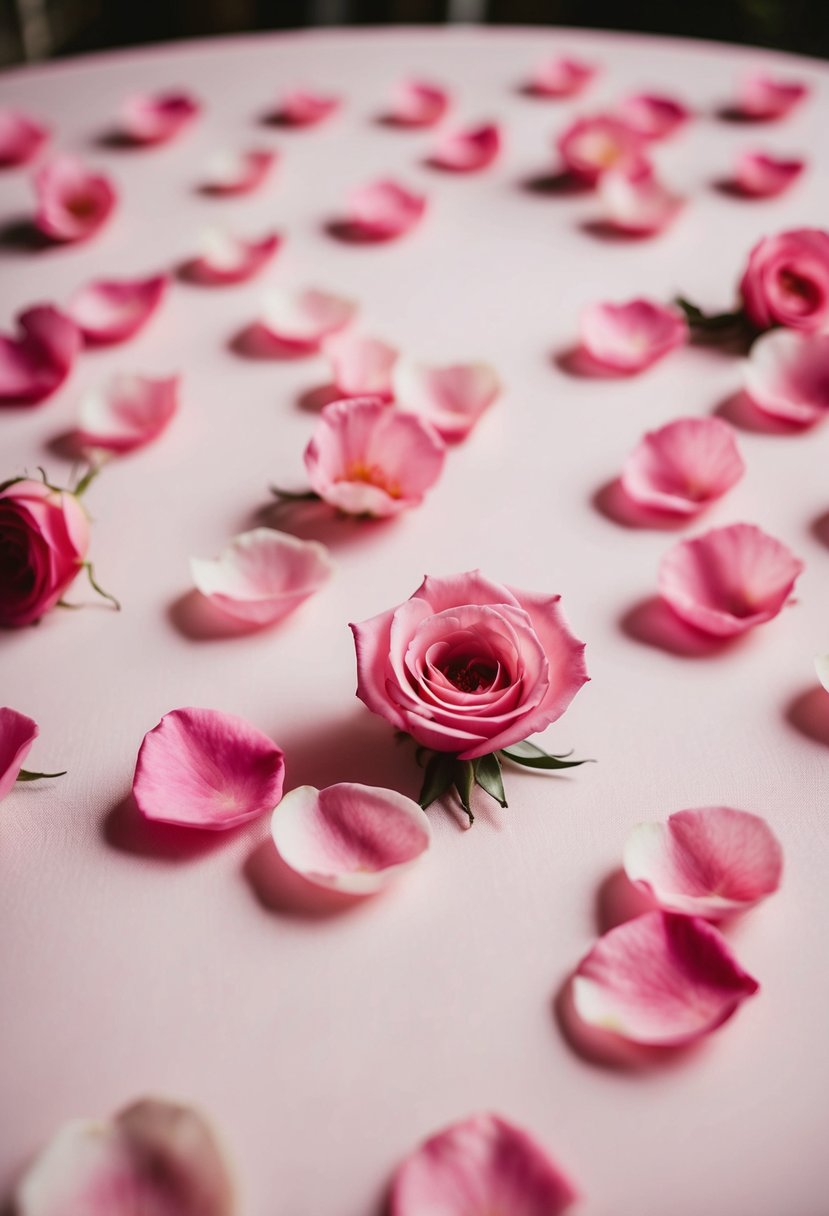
[
  {"x": 21, "y": 138},
  {"x": 361, "y": 367},
  {"x": 683, "y": 466},
  {"x": 35, "y": 364},
  {"x": 348, "y": 837},
  {"x": 451, "y": 398},
  {"x": 305, "y": 108},
  {"x": 155, "y": 118},
  {"x": 479, "y": 1166},
  {"x": 591, "y": 146},
  {"x": 72, "y": 201},
  {"x": 233, "y": 173},
  {"x": 368, "y": 458},
  {"x": 636, "y": 201},
  {"x": 225, "y": 259},
  {"x": 630, "y": 337},
  {"x": 467, "y": 149},
  {"x": 417, "y": 103},
  {"x": 206, "y": 769},
  {"x": 561, "y": 76},
  {"x": 660, "y": 979},
  {"x": 653, "y": 115},
  {"x": 709, "y": 862},
  {"x": 763, "y": 96},
  {"x": 154, "y": 1157},
  {"x": 112, "y": 310},
  {"x": 304, "y": 320},
  {"x": 728, "y": 580},
  {"x": 761, "y": 175},
  {"x": 822, "y": 669},
  {"x": 262, "y": 575},
  {"x": 17, "y": 734},
  {"x": 127, "y": 413},
  {"x": 787, "y": 375},
  {"x": 384, "y": 210}
]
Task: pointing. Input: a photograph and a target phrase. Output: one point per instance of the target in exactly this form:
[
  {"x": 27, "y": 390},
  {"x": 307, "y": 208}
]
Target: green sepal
[
  {"x": 709, "y": 322},
  {"x": 438, "y": 778},
  {"x": 294, "y": 495},
  {"x": 25, "y": 775},
  {"x": 529, "y": 756},
  {"x": 464, "y": 781},
  {"x": 488, "y": 777},
  {"x": 90, "y": 574}
]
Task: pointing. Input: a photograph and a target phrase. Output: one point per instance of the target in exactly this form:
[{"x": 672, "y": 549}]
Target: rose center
[
  {"x": 799, "y": 290},
  {"x": 471, "y": 675},
  {"x": 81, "y": 206}
]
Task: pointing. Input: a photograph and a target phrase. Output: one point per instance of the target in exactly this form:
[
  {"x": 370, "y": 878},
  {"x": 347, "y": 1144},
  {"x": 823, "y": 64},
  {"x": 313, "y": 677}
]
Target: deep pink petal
[
  {"x": 786, "y": 281},
  {"x": 17, "y": 734},
  {"x": 112, "y": 310},
  {"x": 155, "y": 118},
  {"x": 305, "y": 108},
  {"x": 451, "y": 398},
  {"x": 384, "y": 210},
  {"x": 73, "y": 202},
  {"x": 127, "y": 413},
  {"x": 21, "y": 138},
  {"x": 787, "y": 375},
  {"x": 304, "y": 320},
  {"x": 206, "y": 769},
  {"x": 481, "y": 1166},
  {"x": 360, "y": 366},
  {"x": 262, "y": 575},
  {"x": 225, "y": 259},
  {"x": 763, "y": 96},
  {"x": 417, "y": 103},
  {"x": 630, "y": 337},
  {"x": 653, "y": 115},
  {"x": 561, "y": 76},
  {"x": 661, "y": 979},
  {"x": 762, "y": 175},
  {"x": 231, "y": 174},
  {"x": 35, "y": 364},
  {"x": 591, "y": 146},
  {"x": 467, "y": 149},
  {"x": 728, "y": 580},
  {"x": 683, "y": 466},
  {"x": 636, "y": 201}
]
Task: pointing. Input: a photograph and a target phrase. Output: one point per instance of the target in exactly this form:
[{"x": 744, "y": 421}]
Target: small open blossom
[
  {"x": 21, "y": 138},
  {"x": 763, "y": 175},
  {"x": 127, "y": 412},
  {"x": 591, "y": 146},
  {"x": 561, "y": 76},
  {"x": 683, "y": 466},
  {"x": 156, "y": 118},
  {"x": 73, "y": 202},
  {"x": 417, "y": 103},
  {"x": 35, "y": 362},
  {"x": 233, "y": 173},
  {"x": 762, "y": 96},
  {"x": 635, "y": 201},
  {"x": 629, "y": 337},
  {"x": 112, "y": 310},
  {"x": 467, "y": 149},
  {"x": 787, "y": 375}
]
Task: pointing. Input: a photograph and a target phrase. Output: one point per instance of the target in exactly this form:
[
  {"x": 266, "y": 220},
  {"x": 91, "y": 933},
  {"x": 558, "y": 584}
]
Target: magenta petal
[
  {"x": 35, "y": 364},
  {"x": 761, "y": 175},
  {"x": 112, "y": 310},
  {"x": 305, "y": 108},
  {"x": 451, "y": 398},
  {"x": 239, "y": 173},
  {"x": 709, "y": 862},
  {"x": 129, "y": 412},
  {"x": 206, "y": 769},
  {"x": 225, "y": 259},
  {"x": 384, "y": 210},
  {"x": 561, "y": 76},
  {"x": 304, "y": 320},
  {"x": 481, "y": 1166},
  {"x": 728, "y": 580},
  {"x": 636, "y": 201},
  {"x": 763, "y": 97},
  {"x": 591, "y": 146},
  {"x": 17, "y": 734},
  {"x": 653, "y": 115},
  {"x": 361, "y": 367},
  {"x": 417, "y": 103},
  {"x": 155, "y": 118},
  {"x": 661, "y": 980},
  {"x": 350, "y": 838},
  {"x": 21, "y": 138},
  {"x": 467, "y": 149},
  {"x": 262, "y": 575},
  {"x": 787, "y": 375},
  {"x": 72, "y": 200},
  {"x": 630, "y": 337},
  {"x": 683, "y": 466}
]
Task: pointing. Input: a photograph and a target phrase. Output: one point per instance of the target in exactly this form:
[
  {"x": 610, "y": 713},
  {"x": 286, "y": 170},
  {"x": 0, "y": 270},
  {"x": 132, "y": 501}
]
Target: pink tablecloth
[{"x": 326, "y": 1047}]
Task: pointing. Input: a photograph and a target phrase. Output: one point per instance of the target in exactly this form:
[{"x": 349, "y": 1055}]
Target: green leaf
[
  {"x": 293, "y": 495},
  {"x": 464, "y": 781},
  {"x": 437, "y": 779},
  {"x": 711, "y": 322},
  {"x": 529, "y": 756},
  {"x": 25, "y": 775},
  {"x": 488, "y": 777}
]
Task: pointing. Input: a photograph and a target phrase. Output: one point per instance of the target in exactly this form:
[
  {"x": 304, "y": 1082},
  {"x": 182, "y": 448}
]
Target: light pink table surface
[{"x": 325, "y": 1048}]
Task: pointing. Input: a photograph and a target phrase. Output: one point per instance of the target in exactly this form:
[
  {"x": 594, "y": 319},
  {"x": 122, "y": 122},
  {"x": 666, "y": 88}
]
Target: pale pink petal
[
  {"x": 155, "y": 118},
  {"x": 653, "y": 115},
  {"x": 350, "y": 838},
  {"x": 630, "y": 337},
  {"x": 112, "y": 310},
  {"x": 763, "y": 96},
  {"x": 305, "y": 108},
  {"x": 360, "y": 366},
  {"x": 262, "y": 575},
  {"x": 636, "y": 201},
  {"x": 787, "y": 375},
  {"x": 482, "y": 1166},
  {"x": 368, "y": 458},
  {"x": 235, "y": 173},
  {"x": 35, "y": 364},
  {"x": 762, "y": 175},
  {"x": 127, "y": 413},
  {"x": 561, "y": 76},
  {"x": 21, "y": 138},
  {"x": 417, "y": 103},
  {"x": 72, "y": 200},
  {"x": 304, "y": 320},
  {"x": 467, "y": 149},
  {"x": 451, "y": 398},
  {"x": 384, "y": 210},
  {"x": 591, "y": 146},
  {"x": 711, "y": 861},
  {"x": 17, "y": 734},
  {"x": 205, "y": 769},
  {"x": 729, "y": 579},
  {"x": 822, "y": 669},
  {"x": 155, "y": 1158},
  {"x": 661, "y": 980},
  {"x": 683, "y": 466},
  {"x": 225, "y": 259}
]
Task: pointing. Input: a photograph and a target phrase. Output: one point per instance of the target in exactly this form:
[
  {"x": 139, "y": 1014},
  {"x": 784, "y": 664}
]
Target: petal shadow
[
  {"x": 316, "y": 520},
  {"x": 819, "y": 529},
  {"x": 278, "y": 888},
  {"x": 618, "y": 900},
  {"x": 741, "y": 412},
  {"x": 20, "y": 235},
  {"x": 312, "y": 400},
  {"x": 256, "y": 342},
  {"x": 651, "y": 622},
  {"x": 126, "y": 830},
  {"x": 808, "y": 713},
  {"x": 196, "y": 619},
  {"x": 612, "y": 501},
  {"x": 575, "y": 361}
]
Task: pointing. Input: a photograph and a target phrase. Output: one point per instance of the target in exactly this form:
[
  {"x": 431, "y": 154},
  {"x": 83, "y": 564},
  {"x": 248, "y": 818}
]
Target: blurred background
[{"x": 37, "y": 29}]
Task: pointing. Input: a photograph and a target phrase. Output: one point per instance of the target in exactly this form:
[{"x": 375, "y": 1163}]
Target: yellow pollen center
[{"x": 372, "y": 475}]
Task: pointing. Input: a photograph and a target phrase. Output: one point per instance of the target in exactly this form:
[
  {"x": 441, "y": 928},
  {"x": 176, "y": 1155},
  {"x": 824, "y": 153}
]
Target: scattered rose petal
[
  {"x": 127, "y": 413},
  {"x": 761, "y": 175},
  {"x": 35, "y": 364},
  {"x": 417, "y": 103},
  {"x": 350, "y": 838},
  {"x": 451, "y": 398},
  {"x": 630, "y": 337},
  {"x": 72, "y": 200},
  {"x": 202, "y": 768},
  {"x": 112, "y": 310},
  {"x": 21, "y": 138},
  {"x": 468, "y": 149},
  {"x": 653, "y": 115},
  {"x": 225, "y": 259},
  {"x": 591, "y": 146},
  {"x": 661, "y": 980},
  {"x": 155, "y": 118},
  {"x": 822, "y": 669},
  {"x": 154, "y": 1157},
  {"x": 711, "y": 861},
  {"x": 479, "y": 1166},
  {"x": 684, "y": 466},
  {"x": 728, "y": 580},
  {"x": 561, "y": 76},
  {"x": 636, "y": 201},
  {"x": 304, "y": 320},
  {"x": 262, "y": 575},
  {"x": 383, "y": 210},
  {"x": 763, "y": 97},
  {"x": 368, "y": 458},
  {"x": 787, "y": 375},
  {"x": 361, "y": 367},
  {"x": 17, "y": 734},
  {"x": 304, "y": 108},
  {"x": 232, "y": 173}
]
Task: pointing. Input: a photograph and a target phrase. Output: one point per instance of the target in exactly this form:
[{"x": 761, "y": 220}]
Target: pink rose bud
[
  {"x": 786, "y": 281},
  {"x": 44, "y": 536}
]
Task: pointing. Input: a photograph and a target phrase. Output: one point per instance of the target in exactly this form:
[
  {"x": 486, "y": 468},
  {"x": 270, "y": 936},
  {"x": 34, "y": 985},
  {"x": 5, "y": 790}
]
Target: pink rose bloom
[
  {"x": 786, "y": 281},
  {"x": 469, "y": 666},
  {"x": 17, "y": 734},
  {"x": 44, "y": 535}
]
